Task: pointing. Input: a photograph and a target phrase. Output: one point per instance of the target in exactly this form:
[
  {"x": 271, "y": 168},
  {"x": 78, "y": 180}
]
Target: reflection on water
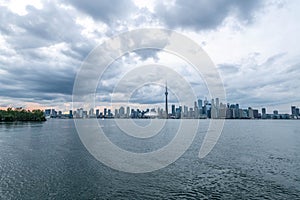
[{"x": 252, "y": 159}]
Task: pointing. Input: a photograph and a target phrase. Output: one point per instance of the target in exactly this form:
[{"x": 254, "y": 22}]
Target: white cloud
[{"x": 20, "y": 7}]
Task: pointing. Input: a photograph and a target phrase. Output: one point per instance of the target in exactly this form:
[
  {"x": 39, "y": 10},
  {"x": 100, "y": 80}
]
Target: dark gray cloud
[
  {"x": 107, "y": 11},
  {"x": 38, "y": 83},
  {"x": 43, "y": 51},
  {"x": 204, "y": 14},
  {"x": 44, "y": 27}
]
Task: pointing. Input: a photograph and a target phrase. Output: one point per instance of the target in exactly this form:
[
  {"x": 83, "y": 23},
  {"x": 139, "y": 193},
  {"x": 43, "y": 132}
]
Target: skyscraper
[
  {"x": 199, "y": 103},
  {"x": 217, "y": 103},
  {"x": 70, "y": 114},
  {"x": 173, "y": 110},
  {"x": 250, "y": 113},
  {"x": 166, "y": 93},
  {"x": 91, "y": 112},
  {"x": 264, "y": 111},
  {"x": 122, "y": 112},
  {"x": 128, "y": 112},
  {"x": 105, "y": 112},
  {"x": 293, "y": 110}
]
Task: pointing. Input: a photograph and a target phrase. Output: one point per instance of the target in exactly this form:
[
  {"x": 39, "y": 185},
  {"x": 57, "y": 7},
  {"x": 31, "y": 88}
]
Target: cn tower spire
[{"x": 166, "y": 93}]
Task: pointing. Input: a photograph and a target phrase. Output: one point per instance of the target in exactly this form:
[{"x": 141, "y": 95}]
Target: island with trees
[{"x": 19, "y": 114}]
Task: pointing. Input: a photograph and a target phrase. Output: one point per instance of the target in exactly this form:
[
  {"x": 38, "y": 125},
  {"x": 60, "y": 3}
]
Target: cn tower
[{"x": 166, "y": 93}]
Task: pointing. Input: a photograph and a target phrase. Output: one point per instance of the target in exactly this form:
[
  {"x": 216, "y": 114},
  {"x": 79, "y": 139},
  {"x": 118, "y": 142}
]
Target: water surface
[{"x": 253, "y": 159}]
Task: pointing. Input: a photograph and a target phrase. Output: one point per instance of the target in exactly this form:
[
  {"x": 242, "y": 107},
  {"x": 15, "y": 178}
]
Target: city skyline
[{"x": 202, "y": 109}]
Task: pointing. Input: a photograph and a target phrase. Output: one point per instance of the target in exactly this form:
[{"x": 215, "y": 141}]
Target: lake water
[{"x": 253, "y": 159}]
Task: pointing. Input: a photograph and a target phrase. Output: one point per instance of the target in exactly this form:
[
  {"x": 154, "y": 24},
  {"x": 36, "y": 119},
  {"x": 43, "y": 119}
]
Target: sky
[{"x": 253, "y": 44}]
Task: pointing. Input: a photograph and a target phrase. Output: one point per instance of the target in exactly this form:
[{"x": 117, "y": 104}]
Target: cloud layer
[
  {"x": 253, "y": 44},
  {"x": 201, "y": 15}
]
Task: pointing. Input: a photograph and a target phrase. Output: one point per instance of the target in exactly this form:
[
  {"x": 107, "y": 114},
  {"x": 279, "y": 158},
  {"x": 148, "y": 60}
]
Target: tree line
[{"x": 11, "y": 115}]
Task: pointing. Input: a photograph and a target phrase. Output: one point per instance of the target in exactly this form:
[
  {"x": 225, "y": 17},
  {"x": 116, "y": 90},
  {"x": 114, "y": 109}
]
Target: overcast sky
[{"x": 254, "y": 45}]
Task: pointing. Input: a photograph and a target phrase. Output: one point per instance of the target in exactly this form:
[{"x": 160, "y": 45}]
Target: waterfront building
[
  {"x": 191, "y": 113},
  {"x": 293, "y": 110},
  {"x": 122, "y": 112},
  {"x": 91, "y": 113},
  {"x": 199, "y": 103},
  {"x": 214, "y": 111},
  {"x": 84, "y": 114},
  {"x": 250, "y": 113},
  {"x": 105, "y": 112},
  {"x": 178, "y": 113},
  {"x": 127, "y": 111},
  {"x": 53, "y": 113},
  {"x": 109, "y": 114},
  {"x": 117, "y": 113},
  {"x": 185, "y": 111},
  {"x": 255, "y": 114},
  {"x": 47, "y": 112},
  {"x": 217, "y": 103},
  {"x": 79, "y": 113},
  {"x": 173, "y": 110}
]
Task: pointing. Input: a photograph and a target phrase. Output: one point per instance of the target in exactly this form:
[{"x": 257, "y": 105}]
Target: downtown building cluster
[
  {"x": 205, "y": 109},
  {"x": 200, "y": 110}
]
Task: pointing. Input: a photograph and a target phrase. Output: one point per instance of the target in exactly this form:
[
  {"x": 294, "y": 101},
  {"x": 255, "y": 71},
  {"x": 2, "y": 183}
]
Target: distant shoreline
[
  {"x": 242, "y": 119},
  {"x": 21, "y": 115}
]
